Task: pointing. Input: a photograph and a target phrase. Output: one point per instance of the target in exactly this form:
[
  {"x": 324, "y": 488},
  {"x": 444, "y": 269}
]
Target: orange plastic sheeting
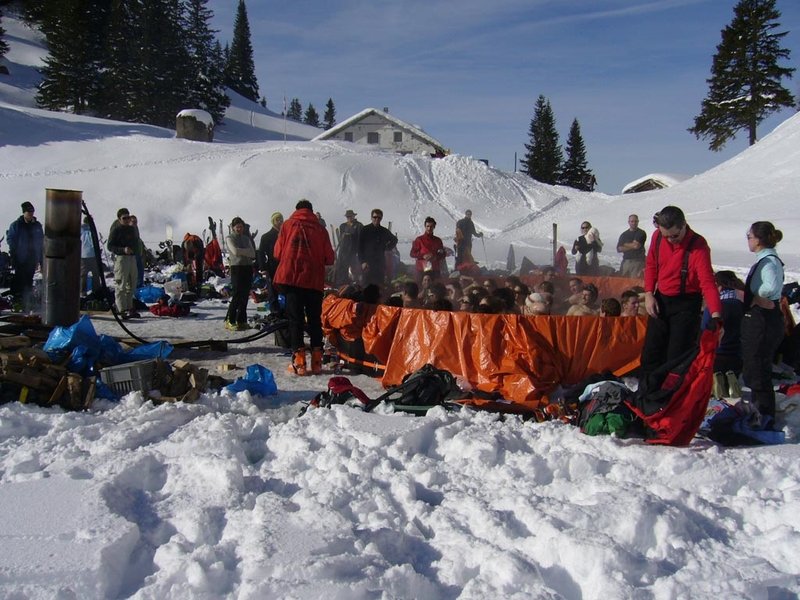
[
  {"x": 607, "y": 287},
  {"x": 523, "y": 358},
  {"x": 346, "y": 317}
]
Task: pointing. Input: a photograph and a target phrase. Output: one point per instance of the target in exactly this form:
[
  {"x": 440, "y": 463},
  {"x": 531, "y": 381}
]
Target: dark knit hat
[{"x": 27, "y": 207}]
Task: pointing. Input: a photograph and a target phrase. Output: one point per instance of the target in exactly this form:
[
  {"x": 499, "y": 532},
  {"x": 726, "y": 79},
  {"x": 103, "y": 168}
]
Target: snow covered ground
[{"x": 235, "y": 496}]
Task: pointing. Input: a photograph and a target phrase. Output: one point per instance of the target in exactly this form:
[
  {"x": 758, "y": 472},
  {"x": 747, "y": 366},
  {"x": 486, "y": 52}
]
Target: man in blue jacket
[{"x": 25, "y": 242}]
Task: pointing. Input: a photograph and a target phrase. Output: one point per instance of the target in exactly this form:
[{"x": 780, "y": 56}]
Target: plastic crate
[{"x": 129, "y": 377}]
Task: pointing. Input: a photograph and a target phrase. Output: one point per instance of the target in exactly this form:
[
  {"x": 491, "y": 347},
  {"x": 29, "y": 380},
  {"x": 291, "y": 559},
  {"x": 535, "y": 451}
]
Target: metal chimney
[{"x": 62, "y": 258}]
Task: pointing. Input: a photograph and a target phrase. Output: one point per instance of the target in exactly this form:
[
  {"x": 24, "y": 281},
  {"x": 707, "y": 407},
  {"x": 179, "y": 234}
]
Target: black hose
[{"x": 105, "y": 294}]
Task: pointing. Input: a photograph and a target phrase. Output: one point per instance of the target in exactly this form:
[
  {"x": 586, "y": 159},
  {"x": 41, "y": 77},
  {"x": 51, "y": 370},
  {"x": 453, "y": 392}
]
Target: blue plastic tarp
[
  {"x": 258, "y": 380},
  {"x": 87, "y": 347}
]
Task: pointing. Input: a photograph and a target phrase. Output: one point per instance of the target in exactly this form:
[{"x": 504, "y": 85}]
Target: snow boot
[
  {"x": 298, "y": 364},
  {"x": 734, "y": 389},
  {"x": 316, "y": 361},
  {"x": 720, "y": 388}
]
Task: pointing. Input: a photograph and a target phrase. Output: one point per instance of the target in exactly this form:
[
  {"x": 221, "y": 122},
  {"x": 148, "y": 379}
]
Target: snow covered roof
[
  {"x": 201, "y": 115},
  {"x": 384, "y": 115},
  {"x": 654, "y": 181}
]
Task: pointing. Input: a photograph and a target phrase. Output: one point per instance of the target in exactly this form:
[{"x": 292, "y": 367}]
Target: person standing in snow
[
  {"x": 123, "y": 242},
  {"x": 588, "y": 244},
  {"x": 241, "y": 259},
  {"x": 267, "y": 263},
  {"x": 88, "y": 259},
  {"x": 347, "y": 266},
  {"x": 631, "y": 244},
  {"x": 374, "y": 241},
  {"x": 428, "y": 249},
  {"x": 677, "y": 278},
  {"x": 762, "y": 325},
  {"x": 25, "y": 239},
  {"x": 465, "y": 230},
  {"x": 139, "y": 253},
  {"x": 303, "y": 250}
]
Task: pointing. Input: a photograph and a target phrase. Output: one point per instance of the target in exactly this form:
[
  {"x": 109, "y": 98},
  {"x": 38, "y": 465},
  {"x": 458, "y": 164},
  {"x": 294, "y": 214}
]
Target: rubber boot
[
  {"x": 298, "y": 364},
  {"x": 720, "y": 388},
  {"x": 316, "y": 361},
  {"x": 734, "y": 389}
]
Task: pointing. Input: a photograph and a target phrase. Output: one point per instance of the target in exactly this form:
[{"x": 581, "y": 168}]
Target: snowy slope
[{"x": 236, "y": 497}]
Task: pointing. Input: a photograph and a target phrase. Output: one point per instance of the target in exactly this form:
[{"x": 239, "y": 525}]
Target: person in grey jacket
[{"x": 242, "y": 256}]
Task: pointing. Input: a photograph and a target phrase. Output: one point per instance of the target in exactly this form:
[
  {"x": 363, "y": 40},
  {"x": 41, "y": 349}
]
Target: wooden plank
[
  {"x": 58, "y": 391},
  {"x": 14, "y": 341}
]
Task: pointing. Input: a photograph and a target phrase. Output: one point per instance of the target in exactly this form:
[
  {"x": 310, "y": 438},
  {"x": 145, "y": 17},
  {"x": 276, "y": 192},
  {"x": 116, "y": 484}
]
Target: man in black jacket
[{"x": 373, "y": 243}]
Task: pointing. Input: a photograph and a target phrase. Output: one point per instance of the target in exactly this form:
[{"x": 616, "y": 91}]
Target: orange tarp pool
[{"x": 524, "y": 358}]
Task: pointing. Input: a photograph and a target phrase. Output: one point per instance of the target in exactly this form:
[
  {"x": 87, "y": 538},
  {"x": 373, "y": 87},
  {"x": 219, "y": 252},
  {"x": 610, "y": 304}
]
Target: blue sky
[{"x": 469, "y": 71}]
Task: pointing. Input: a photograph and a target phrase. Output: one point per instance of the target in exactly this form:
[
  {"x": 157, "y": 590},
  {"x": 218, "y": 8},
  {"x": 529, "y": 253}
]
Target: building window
[
  {"x": 348, "y": 136},
  {"x": 373, "y": 137},
  {"x": 398, "y": 136}
]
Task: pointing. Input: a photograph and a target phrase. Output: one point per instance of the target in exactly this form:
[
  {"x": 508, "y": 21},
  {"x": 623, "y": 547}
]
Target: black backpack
[{"x": 421, "y": 390}]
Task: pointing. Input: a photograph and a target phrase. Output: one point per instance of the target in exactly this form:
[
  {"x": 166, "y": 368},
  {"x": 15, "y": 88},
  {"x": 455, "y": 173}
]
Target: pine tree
[
  {"x": 311, "y": 116},
  {"x": 33, "y": 11},
  {"x": 745, "y": 83},
  {"x": 118, "y": 91},
  {"x": 295, "y": 112},
  {"x": 544, "y": 156},
  {"x": 161, "y": 65},
  {"x": 240, "y": 71},
  {"x": 3, "y": 43},
  {"x": 329, "y": 118},
  {"x": 75, "y": 31},
  {"x": 576, "y": 173},
  {"x": 207, "y": 89}
]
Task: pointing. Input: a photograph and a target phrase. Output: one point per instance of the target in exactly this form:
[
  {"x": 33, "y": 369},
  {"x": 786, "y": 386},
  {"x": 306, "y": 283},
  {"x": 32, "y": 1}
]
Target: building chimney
[{"x": 386, "y": 109}]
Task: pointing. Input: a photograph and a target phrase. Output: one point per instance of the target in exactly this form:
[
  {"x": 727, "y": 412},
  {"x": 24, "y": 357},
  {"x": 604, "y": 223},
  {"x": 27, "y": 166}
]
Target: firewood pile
[{"x": 28, "y": 375}]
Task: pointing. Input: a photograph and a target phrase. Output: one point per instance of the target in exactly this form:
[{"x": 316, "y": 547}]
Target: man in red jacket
[
  {"x": 677, "y": 278},
  {"x": 302, "y": 250},
  {"x": 428, "y": 249}
]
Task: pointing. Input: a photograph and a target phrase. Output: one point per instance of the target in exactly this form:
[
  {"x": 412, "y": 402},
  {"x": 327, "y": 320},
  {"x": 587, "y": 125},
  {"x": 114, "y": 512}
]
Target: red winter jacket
[
  {"x": 667, "y": 273},
  {"x": 428, "y": 244},
  {"x": 303, "y": 249}
]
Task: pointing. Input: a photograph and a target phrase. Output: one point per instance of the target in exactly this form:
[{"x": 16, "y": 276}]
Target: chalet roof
[
  {"x": 662, "y": 180},
  {"x": 384, "y": 115}
]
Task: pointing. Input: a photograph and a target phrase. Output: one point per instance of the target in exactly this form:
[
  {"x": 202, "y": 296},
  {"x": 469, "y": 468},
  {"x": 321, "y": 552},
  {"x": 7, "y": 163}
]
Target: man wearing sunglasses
[
  {"x": 374, "y": 241},
  {"x": 677, "y": 278}
]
